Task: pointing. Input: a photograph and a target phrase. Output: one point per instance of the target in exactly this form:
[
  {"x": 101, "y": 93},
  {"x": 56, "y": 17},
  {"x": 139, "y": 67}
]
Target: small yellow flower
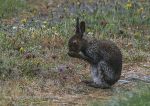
[
  {"x": 137, "y": 35},
  {"x": 44, "y": 22},
  {"x": 34, "y": 11},
  {"x": 88, "y": 29},
  {"x": 65, "y": 9},
  {"x": 128, "y": 5},
  {"x": 140, "y": 10},
  {"x": 23, "y": 21},
  {"x": 33, "y": 35},
  {"x": 22, "y": 50}
]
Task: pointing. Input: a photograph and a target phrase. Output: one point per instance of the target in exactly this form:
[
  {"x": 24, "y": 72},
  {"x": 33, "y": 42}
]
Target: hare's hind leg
[
  {"x": 96, "y": 81},
  {"x": 107, "y": 72},
  {"x": 97, "y": 77}
]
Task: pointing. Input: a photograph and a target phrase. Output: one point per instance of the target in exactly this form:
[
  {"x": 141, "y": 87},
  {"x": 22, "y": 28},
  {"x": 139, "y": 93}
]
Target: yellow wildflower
[
  {"x": 137, "y": 35},
  {"x": 44, "y": 22},
  {"x": 33, "y": 35},
  {"x": 23, "y": 21},
  {"x": 65, "y": 9},
  {"x": 140, "y": 10},
  {"x": 22, "y": 50},
  {"x": 88, "y": 29},
  {"x": 128, "y": 5}
]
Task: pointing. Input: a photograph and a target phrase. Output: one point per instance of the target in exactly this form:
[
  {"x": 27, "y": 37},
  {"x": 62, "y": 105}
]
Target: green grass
[
  {"x": 9, "y": 8},
  {"x": 139, "y": 96},
  {"x": 125, "y": 27}
]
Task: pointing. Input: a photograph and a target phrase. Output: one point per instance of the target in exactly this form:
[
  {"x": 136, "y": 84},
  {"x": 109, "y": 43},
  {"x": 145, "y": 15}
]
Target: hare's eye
[{"x": 74, "y": 41}]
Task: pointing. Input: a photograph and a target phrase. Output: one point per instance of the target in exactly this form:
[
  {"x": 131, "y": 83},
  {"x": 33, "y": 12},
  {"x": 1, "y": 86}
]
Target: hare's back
[
  {"x": 103, "y": 46},
  {"x": 107, "y": 51},
  {"x": 111, "y": 53},
  {"x": 109, "y": 47}
]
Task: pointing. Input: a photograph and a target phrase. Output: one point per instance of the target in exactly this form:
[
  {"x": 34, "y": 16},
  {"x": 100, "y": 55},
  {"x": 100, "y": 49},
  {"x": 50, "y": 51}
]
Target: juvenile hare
[{"x": 104, "y": 57}]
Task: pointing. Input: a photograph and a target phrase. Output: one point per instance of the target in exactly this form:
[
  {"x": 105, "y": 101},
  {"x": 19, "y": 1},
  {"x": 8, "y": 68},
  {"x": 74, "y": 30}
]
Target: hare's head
[{"x": 76, "y": 42}]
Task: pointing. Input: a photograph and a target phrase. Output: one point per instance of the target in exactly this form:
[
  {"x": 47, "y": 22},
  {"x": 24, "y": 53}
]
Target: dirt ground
[{"x": 75, "y": 92}]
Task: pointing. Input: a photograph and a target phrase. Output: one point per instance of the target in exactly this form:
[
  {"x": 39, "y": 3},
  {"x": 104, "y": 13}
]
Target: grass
[
  {"x": 9, "y": 8},
  {"x": 137, "y": 97},
  {"x": 34, "y": 47},
  {"x": 134, "y": 42}
]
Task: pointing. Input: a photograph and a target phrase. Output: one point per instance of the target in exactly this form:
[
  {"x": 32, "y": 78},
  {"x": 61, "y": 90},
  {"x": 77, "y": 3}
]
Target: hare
[{"x": 104, "y": 57}]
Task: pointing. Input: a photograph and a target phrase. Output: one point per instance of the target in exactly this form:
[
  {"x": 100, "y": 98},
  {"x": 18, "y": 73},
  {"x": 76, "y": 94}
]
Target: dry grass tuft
[{"x": 54, "y": 41}]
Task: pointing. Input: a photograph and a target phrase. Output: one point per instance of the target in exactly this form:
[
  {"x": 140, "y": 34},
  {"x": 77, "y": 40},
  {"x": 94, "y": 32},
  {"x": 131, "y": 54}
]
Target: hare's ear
[
  {"x": 82, "y": 27},
  {"x": 77, "y": 26}
]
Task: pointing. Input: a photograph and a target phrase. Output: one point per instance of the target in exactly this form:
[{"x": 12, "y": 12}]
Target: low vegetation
[{"x": 34, "y": 39}]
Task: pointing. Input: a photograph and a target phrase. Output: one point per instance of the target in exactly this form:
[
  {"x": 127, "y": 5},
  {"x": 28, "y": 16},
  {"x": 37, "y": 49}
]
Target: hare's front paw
[
  {"x": 94, "y": 85},
  {"x": 90, "y": 83},
  {"x": 72, "y": 54}
]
